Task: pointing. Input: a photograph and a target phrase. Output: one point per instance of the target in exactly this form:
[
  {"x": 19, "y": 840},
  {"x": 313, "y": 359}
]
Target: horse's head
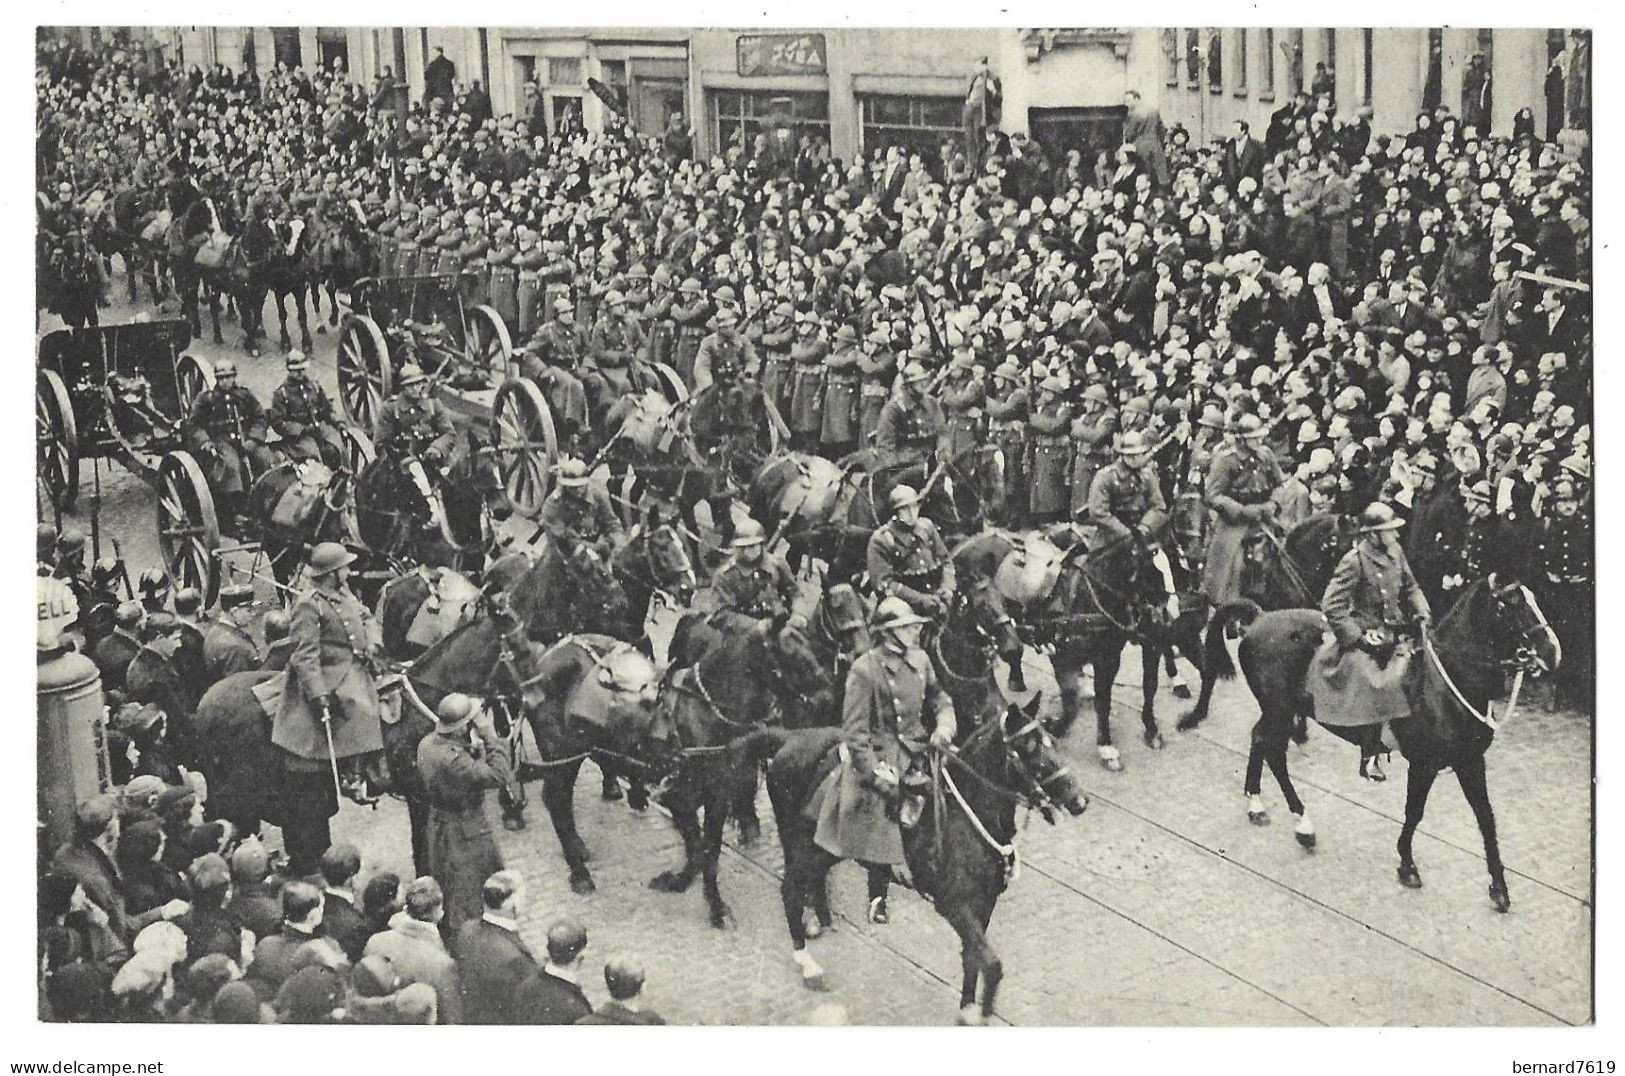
[
  {"x": 1520, "y": 633},
  {"x": 1032, "y": 762},
  {"x": 668, "y": 557},
  {"x": 978, "y": 618},
  {"x": 794, "y": 665},
  {"x": 843, "y": 619}
]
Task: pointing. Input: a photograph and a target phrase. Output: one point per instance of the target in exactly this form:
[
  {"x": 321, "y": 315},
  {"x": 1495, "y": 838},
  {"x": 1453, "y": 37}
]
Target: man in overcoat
[
  {"x": 333, "y": 644},
  {"x": 1240, "y": 488},
  {"x": 893, "y": 709},
  {"x": 458, "y": 765}
]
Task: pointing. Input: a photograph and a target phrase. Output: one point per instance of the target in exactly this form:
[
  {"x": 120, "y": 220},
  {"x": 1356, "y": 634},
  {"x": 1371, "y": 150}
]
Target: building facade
[{"x": 865, "y": 89}]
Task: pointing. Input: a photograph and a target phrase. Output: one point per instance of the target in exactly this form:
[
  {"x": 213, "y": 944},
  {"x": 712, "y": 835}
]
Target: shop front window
[{"x": 916, "y": 124}]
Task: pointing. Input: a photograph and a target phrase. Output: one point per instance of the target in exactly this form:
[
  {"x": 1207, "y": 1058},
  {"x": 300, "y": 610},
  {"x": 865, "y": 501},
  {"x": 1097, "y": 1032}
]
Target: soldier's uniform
[
  {"x": 1092, "y": 434},
  {"x": 1240, "y": 488},
  {"x": 911, "y": 427},
  {"x": 1566, "y": 583},
  {"x": 662, "y": 329},
  {"x": 723, "y": 360},
  {"x": 616, "y": 343},
  {"x": 877, "y": 368},
  {"x": 806, "y": 390},
  {"x": 1126, "y": 503},
  {"x": 778, "y": 334},
  {"x": 416, "y": 429},
  {"x": 333, "y": 641},
  {"x": 838, "y": 433},
  {"x": 457, "y": 770},
  {"x": 1007, "y": 408},
  {"x": 963, "y": 394},
  {"x": 892, "y": 703},
  {"x": 227, "y": 427},
  {"x": 529, "y": 263},
  {"x": 552, "y": 359},
  {"x": 760, "y": 591},
  {"x": 1049, "y": 467},
  {"x": 503, "y": 293},
  {"x": 690, "y": 310},
  {"x": 910, "y": 562},
  {"x": 580, "y": 517},
  {"x": 302, "y": 415}
]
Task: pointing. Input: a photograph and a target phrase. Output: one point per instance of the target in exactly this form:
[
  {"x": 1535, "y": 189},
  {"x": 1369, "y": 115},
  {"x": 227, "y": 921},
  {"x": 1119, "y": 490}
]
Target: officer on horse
[
  {"x": 1374, "y": 607},
  {"x": 329, "y": 714},
  {"x": 302, "y": 415},
  {"x": 1127, "y": 508},
  {"x": 755, "y": 584},
  {"x": 908, "y": 559},
  {"x": 552, "y": 359},
  {"x": 912, "y": 427},
  {"x": 1245, "y": 475},
  {"x": 894, "y": 711},
  {"x": 577, "y": 515}
]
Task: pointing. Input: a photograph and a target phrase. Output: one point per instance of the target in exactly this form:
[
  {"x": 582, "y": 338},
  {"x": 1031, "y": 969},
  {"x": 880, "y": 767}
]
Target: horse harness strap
[
  {"x": 1486, "y": 717},
  {"x": 1008, "y": 853}
]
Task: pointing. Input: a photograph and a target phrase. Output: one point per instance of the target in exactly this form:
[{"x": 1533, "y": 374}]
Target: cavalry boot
[{"x": 1018, "y": 678}]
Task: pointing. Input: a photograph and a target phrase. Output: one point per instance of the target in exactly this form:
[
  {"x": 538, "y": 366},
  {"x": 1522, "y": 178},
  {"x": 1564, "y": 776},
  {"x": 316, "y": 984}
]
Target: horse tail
[
  {"x": 1215, "y": 655},
  {"x": 754, "y": 748}
]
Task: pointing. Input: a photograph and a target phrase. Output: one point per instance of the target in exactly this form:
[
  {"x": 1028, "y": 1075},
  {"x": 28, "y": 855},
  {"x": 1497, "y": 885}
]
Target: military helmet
[
  {"x": 749, "y": 533},
  {"x": 1134, "y": 443},
  {"x": 454, "y": 711},
  {"x": 572, "y": 473},
  {"x": 915, "y": 372},
  {"x": 411, "y": 374},
  {"x": 893, "y": 613},
  {"x": 329, "y": 557},
  {"x": 903, "y": 497}
]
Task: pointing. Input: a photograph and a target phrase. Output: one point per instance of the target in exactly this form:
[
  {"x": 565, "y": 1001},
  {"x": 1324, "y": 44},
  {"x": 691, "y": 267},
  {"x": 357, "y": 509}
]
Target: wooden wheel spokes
[
  {"x": 487, "y": 346},
  {"x": 56, "y": 439},
  {"x": 526, "y": 443},
  {"x": 365, "y": 372},
  {"x": 188, "y": 530},
  {"x": 192, "y": 377}
]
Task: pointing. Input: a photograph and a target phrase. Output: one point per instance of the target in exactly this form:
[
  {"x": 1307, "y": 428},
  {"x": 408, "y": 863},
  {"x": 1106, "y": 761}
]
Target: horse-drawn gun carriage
[{"x": 123, "y": 392}]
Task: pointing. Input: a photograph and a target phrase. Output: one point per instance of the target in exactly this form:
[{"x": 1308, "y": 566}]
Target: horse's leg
[
  {"x": 214, "y": 313},
  {"x": 332, "y": 302},
  {"x": 558, "y": 795},
  {"x": 1470, "y": 774},
  {"x": 1108, "y": 659},
  {"x": 417, "y": 814},
  {"x": 1418, "y": 781},
  {"x": 612, "y": 788},
  {"x": 742, "y": 786},
  {"x": 1150, "y": 653},
  {"x": 1305, "y": 829},
  {"x": 1067, "y": 672},
  {"x": 977, "y": 958},
  {"x": 685, "y": 815},
  {"x": 282, "y": 318},
  {"x": 132, "y": 275},
  {"x": 717, "y": 803},
  {"x": 806, "y": 871},
  {"x": 304, "y": 322}
]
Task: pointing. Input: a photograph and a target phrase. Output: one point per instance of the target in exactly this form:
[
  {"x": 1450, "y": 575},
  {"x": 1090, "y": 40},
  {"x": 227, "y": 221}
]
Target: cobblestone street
[{"x": 1159, "y": 906}]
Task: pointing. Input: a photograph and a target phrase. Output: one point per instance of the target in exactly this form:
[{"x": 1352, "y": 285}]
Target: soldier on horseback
[
  {"x": 908, "y": 559},
  {"x": 329, "y": 712},
  {"x": 911, "y": 429},
  {"x": 1244, "y": 477},
  {"x": 577, "y": 515},
  {"x": 227, "y": 428},
  {"x": 725, "y": 419},
  {"x": 755, "y": 585},
  {"x": 1374, "y": 607},
  {"x": 1126, "y": 504},
  {"x": 302, "y": 415},
  {"x": 894, "y": 711}
]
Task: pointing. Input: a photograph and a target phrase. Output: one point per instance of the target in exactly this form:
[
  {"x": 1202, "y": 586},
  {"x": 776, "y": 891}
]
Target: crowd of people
[{"x": 1316, "y": 320}]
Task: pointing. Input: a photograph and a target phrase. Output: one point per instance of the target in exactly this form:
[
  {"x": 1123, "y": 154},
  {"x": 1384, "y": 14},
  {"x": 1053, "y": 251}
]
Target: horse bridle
[{"x": 1038, "y": 795}]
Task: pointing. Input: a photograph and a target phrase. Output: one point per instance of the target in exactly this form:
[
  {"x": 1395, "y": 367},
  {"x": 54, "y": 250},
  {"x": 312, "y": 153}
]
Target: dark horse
[
  {"x": 1291, "y": 575},
  {"x": 74, "y": 281},
  {"x": 346, "y": 256},
  {"x": 294, "y": 506},
  {"x": 743, "y": 681},
  {"x": 291, "y": 270},
  {"x": 402, "y": 512},
  {"x": 1100, "y": 601},
  {"x": 654, "y": 561},
  {"x": 117, "y": 230},
  {"x": 1449, "y": 683},
  {"x": 962, "y": 852}
]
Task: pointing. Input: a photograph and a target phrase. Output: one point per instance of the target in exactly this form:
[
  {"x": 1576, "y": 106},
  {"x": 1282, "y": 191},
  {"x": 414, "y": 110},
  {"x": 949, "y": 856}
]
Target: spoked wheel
[
  {"x": 526, "y": 443},
  {"x": 192, "y": 377},
  {"x": 667, "y": 382},
  {"x": 366, "y": 377},
  {"x": 487, "y": 347},
  {"x": 56, "y": 439},
  {"x": 358, "y": 456},
  {"x": 188, "y": 530}
]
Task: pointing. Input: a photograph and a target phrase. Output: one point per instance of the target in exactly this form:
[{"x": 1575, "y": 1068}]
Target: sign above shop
[{"x": 781, "y": 54}]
